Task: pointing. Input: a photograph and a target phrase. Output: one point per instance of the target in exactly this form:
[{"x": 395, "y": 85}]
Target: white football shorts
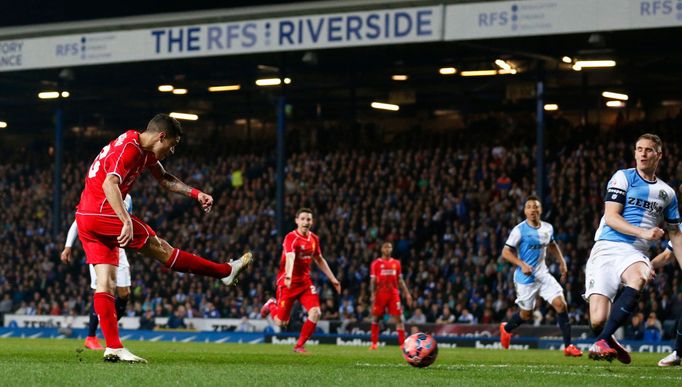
[
  {"x": 608, "y": 260},
  {"x": 545, "y": 284}
]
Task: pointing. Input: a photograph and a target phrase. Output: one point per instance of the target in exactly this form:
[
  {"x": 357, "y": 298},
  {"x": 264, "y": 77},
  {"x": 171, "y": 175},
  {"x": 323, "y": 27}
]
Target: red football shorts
[
  {"x": 384, "y": 301},
  {"x": 304, "y": 292},
  {"x": 99, "y": 233}
]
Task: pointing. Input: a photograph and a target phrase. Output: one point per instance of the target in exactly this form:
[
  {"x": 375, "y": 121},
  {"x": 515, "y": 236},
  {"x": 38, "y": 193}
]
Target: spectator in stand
[
  {"x": 428, "y": 191},
  {"x": 177, "y": 320},
  {"x": 418, "y": 317},
  {"x": 466, "y": 318},
  {"x": 446, "y": 317},
  {"x": 653, "y": 329},
  {"x": 147, "y": 321}
]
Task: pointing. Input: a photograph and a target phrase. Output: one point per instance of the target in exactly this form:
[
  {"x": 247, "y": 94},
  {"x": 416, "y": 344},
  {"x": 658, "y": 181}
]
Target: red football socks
[
  {"x": 185, "y": 262},
  {"x": 105, "y": 307},
  {"x": 306, "y": 332},
  {"x": 401, "y": 336},
  {"x": 375, "y": 333}
]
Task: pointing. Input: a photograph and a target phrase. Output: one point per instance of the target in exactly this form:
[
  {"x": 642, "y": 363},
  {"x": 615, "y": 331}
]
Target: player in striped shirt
[
  {"x": 527, "y": 248},
  {"x": 636, "y": 203}
]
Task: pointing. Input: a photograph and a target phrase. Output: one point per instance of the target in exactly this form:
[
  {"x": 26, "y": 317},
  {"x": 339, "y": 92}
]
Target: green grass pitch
[{"x": 30, "y": 362}]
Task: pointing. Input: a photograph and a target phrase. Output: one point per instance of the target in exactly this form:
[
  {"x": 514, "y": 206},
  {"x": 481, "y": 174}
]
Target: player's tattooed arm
[
  {"x": 173, "y": 184},
  {"x": 168, "y": 181}
]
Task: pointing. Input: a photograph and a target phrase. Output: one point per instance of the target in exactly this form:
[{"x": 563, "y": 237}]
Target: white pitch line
[{"x": 536, "y": 369}]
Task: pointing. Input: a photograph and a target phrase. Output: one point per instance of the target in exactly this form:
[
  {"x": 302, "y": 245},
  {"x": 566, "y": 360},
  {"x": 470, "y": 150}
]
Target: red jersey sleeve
[
  {"x": 400, "y": 270},
  {"x": 121, "y": 161},
  {"x": 288, "y": 244},
  {"x": 373, "y": 269}
]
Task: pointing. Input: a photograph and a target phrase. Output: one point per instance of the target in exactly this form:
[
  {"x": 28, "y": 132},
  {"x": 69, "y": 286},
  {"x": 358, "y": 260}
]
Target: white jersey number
[{"x": 95, "y": 166}]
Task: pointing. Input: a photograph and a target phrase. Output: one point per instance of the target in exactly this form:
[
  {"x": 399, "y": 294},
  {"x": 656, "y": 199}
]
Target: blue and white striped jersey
[
  {"x": 645, "y": 204},
  {"x": 530, "y": 244}
]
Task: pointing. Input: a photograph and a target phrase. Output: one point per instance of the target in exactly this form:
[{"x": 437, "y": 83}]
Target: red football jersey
[
  {"x": 305, "y": 247},
  {"x": 386, "y": 272},
  {"x": 124, "y": 158}
]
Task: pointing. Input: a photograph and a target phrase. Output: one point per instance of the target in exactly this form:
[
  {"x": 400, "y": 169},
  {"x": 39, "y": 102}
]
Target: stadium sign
[
  {"x": 493, "y": 19},
  {"x": 349, "y": 29},
  {"x": 509, "y": 19}
]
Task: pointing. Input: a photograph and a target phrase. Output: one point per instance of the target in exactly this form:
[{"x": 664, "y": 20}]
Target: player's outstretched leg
[
  {"x": 236, "y": 267},
  {"x": 91, "y": 341},
  {"x": 184, "y": 262}
]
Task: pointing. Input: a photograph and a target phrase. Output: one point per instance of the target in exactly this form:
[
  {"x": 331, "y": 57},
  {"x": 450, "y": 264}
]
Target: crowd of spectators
[{"x": 447, "y": 206}]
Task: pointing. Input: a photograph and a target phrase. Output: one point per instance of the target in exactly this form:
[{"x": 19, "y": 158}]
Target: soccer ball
[{"x": 420, "y": 350}]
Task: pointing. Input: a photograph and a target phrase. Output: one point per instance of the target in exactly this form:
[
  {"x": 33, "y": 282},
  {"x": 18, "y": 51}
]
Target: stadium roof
[{"x": 339, "y": 84}]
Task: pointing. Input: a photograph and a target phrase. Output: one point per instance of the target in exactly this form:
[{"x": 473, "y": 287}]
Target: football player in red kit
[
  {"x": 300, "y": 248},
  {"x": 104, "y": 226},
  {"x": 386, "y": 275}
]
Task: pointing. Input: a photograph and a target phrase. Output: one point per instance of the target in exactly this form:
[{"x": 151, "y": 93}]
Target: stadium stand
[{"x": 447, "y": 208}]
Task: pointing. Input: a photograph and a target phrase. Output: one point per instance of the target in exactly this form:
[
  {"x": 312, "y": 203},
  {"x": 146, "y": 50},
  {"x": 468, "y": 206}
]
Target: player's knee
[
  {"x": 559, "y": 305},
  {"x": 107, "y": 285},
  {"x": 314, "y": 314},
  {"x": 158, "y": 248},
  {"x": 165, "y": 248},
  {"x": 636, "y": 283},
  {"x": 637, "y": 276}
]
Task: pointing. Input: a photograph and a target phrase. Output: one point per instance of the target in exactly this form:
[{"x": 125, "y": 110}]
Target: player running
[
  {"x": 636, "y": 202},
  {"x": 104, "y": 226},
  {"x": 385, "y": 276},
  {"x": 122, "y": 281},
  {"x": 527, "y": 248},
  {"x": 300, "y": 248}
]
